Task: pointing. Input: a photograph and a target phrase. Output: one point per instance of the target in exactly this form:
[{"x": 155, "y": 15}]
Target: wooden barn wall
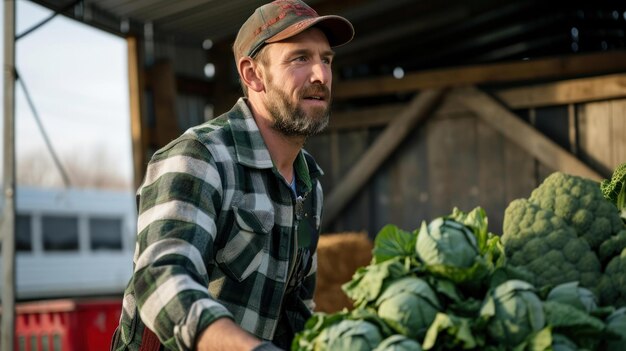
[
  {"x": 455, "y": 159},
  {"x": 602, "y": 133}
]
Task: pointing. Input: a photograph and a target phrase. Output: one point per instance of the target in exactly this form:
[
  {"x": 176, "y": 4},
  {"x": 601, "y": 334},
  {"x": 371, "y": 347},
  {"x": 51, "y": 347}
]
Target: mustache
[{"x": 317, "y": 89}]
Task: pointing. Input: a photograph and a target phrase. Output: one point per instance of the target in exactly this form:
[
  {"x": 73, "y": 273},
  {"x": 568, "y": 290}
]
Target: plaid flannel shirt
[{"x": 217, "y": 236}]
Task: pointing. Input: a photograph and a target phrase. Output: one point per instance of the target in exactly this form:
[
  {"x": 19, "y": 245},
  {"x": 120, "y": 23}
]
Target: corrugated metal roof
[
  {"x": 191, "y": 20},
  {"x": 414, "y": 34}
]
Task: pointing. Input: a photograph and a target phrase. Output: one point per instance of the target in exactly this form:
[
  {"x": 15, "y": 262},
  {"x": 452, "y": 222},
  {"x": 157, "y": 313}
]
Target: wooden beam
[
  {"x": 417, "y": 110},
  {"x": 163, "y": 84},
  {"x": 137, "y": 126},
  {"x": 381, "y": 115},
  {"x": 194, "y": 86},
  {"x": 364, "y": 118},
  {"x": 568, "y": 66},
  {"x": 565, "y": 92},
  {"x": 539, "y": 146}
]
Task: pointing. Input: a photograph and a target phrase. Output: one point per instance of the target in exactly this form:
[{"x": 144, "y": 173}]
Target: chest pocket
[{"x": 248, "y": 243}]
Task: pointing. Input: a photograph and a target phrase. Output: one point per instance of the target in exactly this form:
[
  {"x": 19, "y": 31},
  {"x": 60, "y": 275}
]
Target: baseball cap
[{"x": 282, "y": 19}]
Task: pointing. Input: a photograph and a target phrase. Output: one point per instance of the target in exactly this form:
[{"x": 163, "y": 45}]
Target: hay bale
[{"x": 338, "y": 257}]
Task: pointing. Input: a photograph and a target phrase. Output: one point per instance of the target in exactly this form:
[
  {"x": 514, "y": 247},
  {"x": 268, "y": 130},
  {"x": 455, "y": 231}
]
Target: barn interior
[{"x": 436, "y": 104}]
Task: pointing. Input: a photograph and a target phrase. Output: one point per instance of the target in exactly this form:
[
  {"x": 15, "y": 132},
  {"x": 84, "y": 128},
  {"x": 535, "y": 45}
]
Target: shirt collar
[
  {"x": 249, "y": 145},
  {"x": 251, "y": 149}
]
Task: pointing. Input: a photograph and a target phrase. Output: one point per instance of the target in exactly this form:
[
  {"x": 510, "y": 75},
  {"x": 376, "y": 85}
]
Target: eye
[
  {"x": 327, "y": 60},
  {"x": 300, "y": 59}
]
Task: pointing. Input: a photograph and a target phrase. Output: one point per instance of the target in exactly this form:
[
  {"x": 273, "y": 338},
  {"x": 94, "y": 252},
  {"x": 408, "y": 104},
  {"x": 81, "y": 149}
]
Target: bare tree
[{"x": 85, "y": 169}]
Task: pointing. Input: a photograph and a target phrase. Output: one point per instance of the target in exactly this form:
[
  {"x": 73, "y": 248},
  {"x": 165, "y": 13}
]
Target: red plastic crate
[{"x": 66, "y": 325}]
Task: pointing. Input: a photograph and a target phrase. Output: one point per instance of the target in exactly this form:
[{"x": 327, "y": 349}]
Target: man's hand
[{"x": 225, "y": 335}]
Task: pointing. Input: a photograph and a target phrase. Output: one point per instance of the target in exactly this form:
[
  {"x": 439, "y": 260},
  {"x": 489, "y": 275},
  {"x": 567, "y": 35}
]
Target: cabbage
[
  {"x": 446, "y": 242},
  {"x": 514, "y": 312},
  {"x": 572, "y": 294},
  {"x": 408, "y": 306},
  {"x": 398, "y": 342},
  {"x": 562, "y": 343},
  {"x": 617, "y": 323},
  {"x": 350, "y": 335}
]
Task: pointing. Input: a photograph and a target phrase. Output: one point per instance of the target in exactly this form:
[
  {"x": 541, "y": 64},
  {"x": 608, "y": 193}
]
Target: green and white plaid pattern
[{"x": 217, "y": 236}]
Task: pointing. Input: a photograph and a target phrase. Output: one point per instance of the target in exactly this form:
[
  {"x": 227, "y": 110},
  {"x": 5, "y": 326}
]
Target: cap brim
[{"x": 338, "y": 30}]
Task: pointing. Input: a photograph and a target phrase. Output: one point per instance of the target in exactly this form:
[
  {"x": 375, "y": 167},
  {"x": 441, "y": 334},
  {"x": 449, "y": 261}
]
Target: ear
[{"x": 251, "y": 74}]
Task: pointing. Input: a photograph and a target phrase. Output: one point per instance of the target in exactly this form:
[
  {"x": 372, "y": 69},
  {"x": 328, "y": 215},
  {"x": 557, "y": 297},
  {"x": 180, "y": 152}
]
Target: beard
[{"x": 290, "y": 119}]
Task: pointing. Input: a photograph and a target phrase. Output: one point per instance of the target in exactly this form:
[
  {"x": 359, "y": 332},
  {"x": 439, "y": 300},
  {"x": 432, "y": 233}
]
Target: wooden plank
[
  {"x": 163, "y": 85},
  {"x": 194, "y": 86},
  {"x": 439, "y": 148},
  {"x": 226, "y": 93},
  {"x": 419, "y": 108},
  {"x": 572, "y": 132},
  {"x": 618, "y": 137},
  {"x": 452, "y": 164},
  {"x": 137, "y": 126},
  {"x": 553, "y": 122},
  {"x": 413, "y": 186},
  {"x": 463, "y": 161},
  {"x": 364, "y": 118},
  {"x": 491, "y": 174},
  {"x": 381, "y": 115},
  {"x": 595, "y": 135},
  {"x": 351, "y": 146},
  {"x": 394, "y": 169},
  {"x": 565, "y": 92},
  {"x": 566, "y": 66},
  {"x": 541, "y": 147},
  {"x": 379, "y": 185},
  {"x": 520, "y": 172},
  {"x": 539, "y": 171}
]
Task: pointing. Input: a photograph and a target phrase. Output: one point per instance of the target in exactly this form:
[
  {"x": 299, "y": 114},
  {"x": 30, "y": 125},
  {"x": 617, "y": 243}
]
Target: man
[{"x": 229, "y": 213}]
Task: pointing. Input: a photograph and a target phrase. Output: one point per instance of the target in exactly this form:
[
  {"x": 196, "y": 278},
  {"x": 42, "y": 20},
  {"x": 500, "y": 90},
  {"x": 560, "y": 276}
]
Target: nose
[{"x": 321, "y": 73}]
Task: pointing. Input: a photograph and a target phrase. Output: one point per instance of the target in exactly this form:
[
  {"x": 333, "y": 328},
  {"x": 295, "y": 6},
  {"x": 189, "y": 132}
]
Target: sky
[{"x": 77, "y": 78}]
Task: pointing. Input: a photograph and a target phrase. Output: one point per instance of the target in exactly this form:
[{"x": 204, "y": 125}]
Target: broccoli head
[
  {"x": 567, "y": 231},
  {"x": 580, "y": 203},
  {"x": 612, "y": 287},
  {"x": 544, "y": 244},
  {"x": 612, "y": 247}
]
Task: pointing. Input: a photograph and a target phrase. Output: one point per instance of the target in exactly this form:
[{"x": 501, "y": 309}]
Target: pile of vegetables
[
  {"x": 570, "y": 229},
  {"x": 453, "y": 285}
]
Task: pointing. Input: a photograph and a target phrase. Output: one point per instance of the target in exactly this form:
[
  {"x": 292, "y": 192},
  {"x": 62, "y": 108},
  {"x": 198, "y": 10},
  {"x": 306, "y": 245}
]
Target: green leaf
[
  {"x": 584, "y": 329},
  {"x": 540, "y": 341},
  {"x": 446, "y": 288},
  {"x": 509, "y": 272},
  {"x": 368, "y": 282},
  {"x": 305, "y": 340},
  {"x": 370, "y": 315},
  {"x": 477, "y": 221},
  {"x": 398, "y": 342},
  {"x": 358, "y": 335},
  {"x": 563, "y": 316},
  {"x": 572, "y": 294},
  {"x": 473, "y": 274},
  {"x": 451, "y": 331},
  {"x": 616, "y": 323},
  {"x": 563, "y": 343},
  {"x": 392, "y": 242}
]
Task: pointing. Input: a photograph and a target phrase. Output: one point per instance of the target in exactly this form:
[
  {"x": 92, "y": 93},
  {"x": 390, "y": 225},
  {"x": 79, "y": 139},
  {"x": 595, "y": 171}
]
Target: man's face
[{"x": 298, "y": 80}]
